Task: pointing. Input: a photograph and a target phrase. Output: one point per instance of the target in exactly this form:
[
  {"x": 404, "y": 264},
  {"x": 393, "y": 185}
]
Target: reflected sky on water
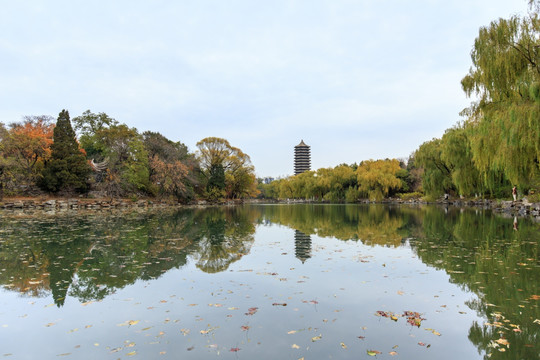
[{"x": 272, "y": 281}]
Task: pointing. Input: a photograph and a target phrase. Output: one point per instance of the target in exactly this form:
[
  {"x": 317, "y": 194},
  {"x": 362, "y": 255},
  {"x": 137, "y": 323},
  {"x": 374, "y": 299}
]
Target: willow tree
[
  {"x": 377, "y": 178},
  {"x": 437, "y": 176},
  {"x": 227, "y": 170},
  {"x": 504, "y": 122},
  {"x": 456, "y": 154}
]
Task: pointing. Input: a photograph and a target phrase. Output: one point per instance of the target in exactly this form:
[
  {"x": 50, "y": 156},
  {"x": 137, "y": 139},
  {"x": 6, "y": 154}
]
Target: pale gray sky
[{"x": 355, "y": 79}]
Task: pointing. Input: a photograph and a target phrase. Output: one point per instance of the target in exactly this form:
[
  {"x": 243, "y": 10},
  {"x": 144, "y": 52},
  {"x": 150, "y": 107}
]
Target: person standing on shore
[{"x": 514, "y": 193}]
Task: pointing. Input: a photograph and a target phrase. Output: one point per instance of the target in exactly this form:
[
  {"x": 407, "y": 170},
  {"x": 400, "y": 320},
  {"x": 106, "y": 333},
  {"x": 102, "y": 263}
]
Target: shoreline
[{"x": 510, "y": 208}]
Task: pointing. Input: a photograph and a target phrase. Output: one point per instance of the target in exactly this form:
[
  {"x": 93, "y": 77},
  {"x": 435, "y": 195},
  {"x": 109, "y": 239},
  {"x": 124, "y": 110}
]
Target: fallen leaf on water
[
  {"x": 392, "y": 353},
  {"x": 245, "y": 327},
  {"x": 294, "y": 346},
  {"x": 373, "y": 352},
  {"x": 502, "y": 342},
  {"x": 252, "y": 311},
  {"x": 400, "y": 292},
  {"x": 131, "y": 353},
  {"x": 343, "y": 345},
  {"x": 235, "y": 349},
  {"x": 162, "y": 352},
  {"x": 421, "y": 343},
  {"x": 133, "y": 322},
  {"x": 64, "y": 354},
  {"x": 49, "y": 324},
  {"x": 190, "y": 348},
  {"x": 316, "y": 338},
  {"x": 279, "y": 304},
  {"x": 185, "y": 331},
  {"x": 291, "y": 332},
  {"x": 361, "y": 337}
]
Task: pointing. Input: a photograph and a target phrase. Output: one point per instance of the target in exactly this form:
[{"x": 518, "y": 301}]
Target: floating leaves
[
  {"x": 316, "y": 338},
  {"x": 128, "y": 323},
  {"x": 252, "y": 311},
  {"x": 373, "y": 352}
]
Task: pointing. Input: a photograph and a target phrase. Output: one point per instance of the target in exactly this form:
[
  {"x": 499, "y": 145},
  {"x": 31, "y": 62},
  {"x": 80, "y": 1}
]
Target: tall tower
[{"x": 302, "y": 158}]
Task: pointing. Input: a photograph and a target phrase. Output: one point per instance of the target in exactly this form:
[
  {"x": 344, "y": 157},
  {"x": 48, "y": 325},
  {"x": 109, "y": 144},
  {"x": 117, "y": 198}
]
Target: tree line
[
  {"x": 495, "y": 147},
  {"x": 94, "y": 152}
]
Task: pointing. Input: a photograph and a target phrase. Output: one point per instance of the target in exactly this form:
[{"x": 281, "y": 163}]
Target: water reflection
[
  {"x": 90, "y": 257},
  {"x": 302, "y": 246}
]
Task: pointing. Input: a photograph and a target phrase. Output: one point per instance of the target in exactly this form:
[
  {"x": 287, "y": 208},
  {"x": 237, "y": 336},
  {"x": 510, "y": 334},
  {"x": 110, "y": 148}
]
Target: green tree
[
  {"x": 6, "y": 163},
  {"x": 436, "y": 176},
  {"x": 67, "y": 169},
  {"x": 504, "y": 124},
  {"x": 167, "y": 150},
  {"x": 456, "y": 154},
  {"x": 89, "y": 126},
  {"x": 173, "y": 170},
  {"x": 377, "y": 178},
  {"x": 227, "y": 170},
  {"x": 127, "y": 160}
]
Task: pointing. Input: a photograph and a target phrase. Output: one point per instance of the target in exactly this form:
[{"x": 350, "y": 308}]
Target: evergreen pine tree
[{"x": 67, "y": 169}]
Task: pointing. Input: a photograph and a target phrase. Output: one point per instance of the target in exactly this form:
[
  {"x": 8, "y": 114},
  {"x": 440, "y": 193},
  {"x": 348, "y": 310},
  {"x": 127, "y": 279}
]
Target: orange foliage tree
[{"x": 29, "y": 144}]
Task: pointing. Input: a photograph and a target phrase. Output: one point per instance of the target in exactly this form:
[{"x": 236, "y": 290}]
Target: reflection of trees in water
[
  {"x": 302, "y": 246},
  {"x": 483, "y": 254},
  {"x": 226, "y": 236},
  {"x": 372, "y": 225},
  {"x": 480, "y": 252},
  {"x": 91, "y": 256}
]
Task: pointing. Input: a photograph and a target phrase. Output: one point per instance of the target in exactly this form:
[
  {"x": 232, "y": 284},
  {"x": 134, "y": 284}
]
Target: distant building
[{"x": 302, "y": 158}]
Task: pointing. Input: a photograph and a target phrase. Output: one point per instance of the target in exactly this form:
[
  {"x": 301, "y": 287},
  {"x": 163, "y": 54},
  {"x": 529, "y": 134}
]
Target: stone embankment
[
  {"x": 51, "y": 204},
  {"x": 518, "y": 208},
  {"x": 515, "y": 208}
]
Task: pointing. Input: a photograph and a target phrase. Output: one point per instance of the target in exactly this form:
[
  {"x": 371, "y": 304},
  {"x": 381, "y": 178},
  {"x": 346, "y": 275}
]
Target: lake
[{"x": 270, "y": 282}]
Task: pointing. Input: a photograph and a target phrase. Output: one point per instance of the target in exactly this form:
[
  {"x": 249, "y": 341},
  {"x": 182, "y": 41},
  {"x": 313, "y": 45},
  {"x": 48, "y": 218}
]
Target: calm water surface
[{"x": 270, "y": 282}]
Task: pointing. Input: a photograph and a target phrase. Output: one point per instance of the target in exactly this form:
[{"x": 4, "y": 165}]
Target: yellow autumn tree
[{"x": 377, "y": 177}]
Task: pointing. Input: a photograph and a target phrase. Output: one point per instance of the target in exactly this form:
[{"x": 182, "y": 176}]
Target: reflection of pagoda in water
[{"x": 302, "y": 245}]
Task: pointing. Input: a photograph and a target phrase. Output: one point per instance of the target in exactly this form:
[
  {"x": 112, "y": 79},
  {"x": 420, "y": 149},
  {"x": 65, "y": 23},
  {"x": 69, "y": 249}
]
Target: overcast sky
[{"x": 355, "y": 79}]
